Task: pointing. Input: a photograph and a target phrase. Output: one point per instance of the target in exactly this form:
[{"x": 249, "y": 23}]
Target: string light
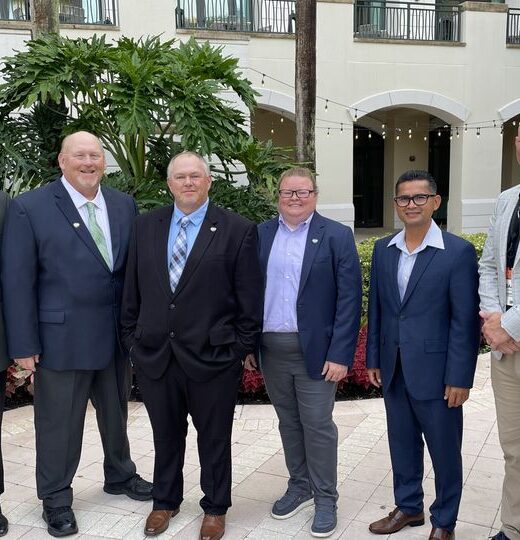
[
  {"x": 326, "y": 105},
  {"x": 478, "y": 132},
  {"x": 355, "y": 115},
  {"x": 328, "y": 132},
  {"x": 457, "y": 132},
  {"x": 369, "y": 134},
  {"x": 281, "y": 120},
  {"x": 341, "y": 128},
  {"x": 502, "y": 129},
  {"x": 263, "y": 79},
  {"x": 465, "y": 128},
  {"x": 425, "y": 138},
  {"x": 356, "y": 136},
  {"x": 272, "y": 130},
  {"x": 383, "y": 127},
  {"x": 397, "y": 137}
]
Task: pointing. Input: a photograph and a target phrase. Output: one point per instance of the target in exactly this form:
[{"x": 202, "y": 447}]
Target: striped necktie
[
  {"x": 179, "y": 255},
  {"x": 97, "y": 233}
]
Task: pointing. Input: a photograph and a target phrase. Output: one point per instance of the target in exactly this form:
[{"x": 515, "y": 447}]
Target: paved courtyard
[{"x": 259, "y": 476}]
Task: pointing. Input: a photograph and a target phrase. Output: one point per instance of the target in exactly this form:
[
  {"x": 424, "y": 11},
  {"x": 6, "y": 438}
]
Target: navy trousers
[{"x": 409, "y": 420}]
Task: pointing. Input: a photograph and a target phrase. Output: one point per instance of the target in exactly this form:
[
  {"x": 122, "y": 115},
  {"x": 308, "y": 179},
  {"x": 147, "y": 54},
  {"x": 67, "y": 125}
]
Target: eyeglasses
[
  {"x": 300, "y": 193},
  {"x": 419, "y": 200}
]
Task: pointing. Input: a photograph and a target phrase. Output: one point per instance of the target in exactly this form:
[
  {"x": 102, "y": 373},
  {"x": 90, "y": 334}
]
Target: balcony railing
[
  {"x": 277, "y": 16},
  {"x": 71, "y": 11},
  {"x": 513, "y": 26},
  {"x": 405, "y": 21}
]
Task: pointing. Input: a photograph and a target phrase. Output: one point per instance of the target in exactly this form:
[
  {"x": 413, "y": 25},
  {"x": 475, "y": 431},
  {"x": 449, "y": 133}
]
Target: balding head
[{"x": 82, "y": 162}]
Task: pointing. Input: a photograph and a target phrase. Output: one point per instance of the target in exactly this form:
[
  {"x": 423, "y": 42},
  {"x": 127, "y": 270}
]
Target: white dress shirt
[
  {"x": 433, "y": 238},
  {"x": 80, "y": 202}
]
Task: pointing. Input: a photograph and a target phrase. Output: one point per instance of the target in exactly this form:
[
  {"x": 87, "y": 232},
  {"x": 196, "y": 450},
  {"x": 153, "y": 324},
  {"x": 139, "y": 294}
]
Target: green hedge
[{"x": 366, "y": 247}]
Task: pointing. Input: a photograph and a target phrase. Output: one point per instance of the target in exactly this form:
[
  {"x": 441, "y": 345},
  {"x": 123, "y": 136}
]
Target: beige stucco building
[{"x": 400, "y": 85}]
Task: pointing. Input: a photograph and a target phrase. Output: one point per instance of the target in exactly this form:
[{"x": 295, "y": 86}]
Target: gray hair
[{"x": 187, "y": 153}]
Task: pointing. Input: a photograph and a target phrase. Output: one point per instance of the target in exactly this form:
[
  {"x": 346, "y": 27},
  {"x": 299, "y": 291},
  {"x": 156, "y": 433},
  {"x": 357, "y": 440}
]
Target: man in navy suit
[
  {"x": 65, "y": 249},
  {"x": 423, "y": 339},
  {"x": 311, "y": 322}
]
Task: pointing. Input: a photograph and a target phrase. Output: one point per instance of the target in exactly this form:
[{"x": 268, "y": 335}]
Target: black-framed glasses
[
  {"x": 419, "y": 200},
  {"x": 300, "y": 193}
]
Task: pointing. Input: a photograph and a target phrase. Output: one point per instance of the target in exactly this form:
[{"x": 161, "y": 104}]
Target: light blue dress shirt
[
  {"x": 192, "y": 230},
  {"x": 284, "y": 269},
  {"x": 407, "y": 260}
]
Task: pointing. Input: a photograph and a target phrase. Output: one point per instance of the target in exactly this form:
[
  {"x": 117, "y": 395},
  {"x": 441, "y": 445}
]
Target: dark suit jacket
[
  {"x": 213, "y": 320},
  {"x": 61, "y": 299},
  {"x": 4, "y": 357},
  {"x": 436, "y": 327},
  {"x": 328, "y": 307}
]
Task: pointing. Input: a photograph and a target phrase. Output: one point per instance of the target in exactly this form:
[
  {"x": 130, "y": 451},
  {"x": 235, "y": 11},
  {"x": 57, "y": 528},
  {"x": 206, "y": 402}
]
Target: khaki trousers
[{"x": 505, "y": 377}]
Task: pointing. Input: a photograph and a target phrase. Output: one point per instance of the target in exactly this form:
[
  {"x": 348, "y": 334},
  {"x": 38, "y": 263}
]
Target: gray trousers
[
  {"x": 60, "y": 404},
  {"x": 304, "y": 407}
]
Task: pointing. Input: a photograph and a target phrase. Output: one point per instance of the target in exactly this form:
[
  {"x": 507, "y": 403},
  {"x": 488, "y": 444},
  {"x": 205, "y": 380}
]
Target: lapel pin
[
  {"x": 212, "y": 229},
  {"x": 75, "y": 225},
  {"x": 314, "y": 240}
]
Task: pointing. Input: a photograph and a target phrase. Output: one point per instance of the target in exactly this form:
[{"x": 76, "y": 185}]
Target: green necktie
[{"x": 97, "y": 233}]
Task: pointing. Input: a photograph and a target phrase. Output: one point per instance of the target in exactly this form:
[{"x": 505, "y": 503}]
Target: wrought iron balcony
[
  {"x": 277, "y": 16},
  {"x": 513, "y": 26},
  {"x": 380, "y": 19},
  {"x": 71, "y": 11}
]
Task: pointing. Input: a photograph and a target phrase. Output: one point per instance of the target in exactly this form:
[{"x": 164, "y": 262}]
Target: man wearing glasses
[
  {"x": 310, "y": 327},
  {"x": 423, "y": 339}
]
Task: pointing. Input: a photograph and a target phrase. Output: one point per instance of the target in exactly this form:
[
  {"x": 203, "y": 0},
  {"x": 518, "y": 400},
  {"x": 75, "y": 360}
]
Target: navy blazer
[
  {"x": 328, "y": 306},
  {"x": 435, "y": 327},
  {"x": 61, "y": 300}
]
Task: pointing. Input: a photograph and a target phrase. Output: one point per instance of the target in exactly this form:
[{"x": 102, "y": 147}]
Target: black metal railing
[
  {"x": 276, "y": 16},
  {"x": 513, "y": 26},
  {"x": 71, "y": 11},
  {"x": 404, "y": 20}
]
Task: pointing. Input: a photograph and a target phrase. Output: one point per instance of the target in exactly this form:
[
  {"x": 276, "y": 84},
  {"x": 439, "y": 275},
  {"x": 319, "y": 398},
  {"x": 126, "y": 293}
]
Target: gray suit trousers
[{"x": 304, "y": 407}]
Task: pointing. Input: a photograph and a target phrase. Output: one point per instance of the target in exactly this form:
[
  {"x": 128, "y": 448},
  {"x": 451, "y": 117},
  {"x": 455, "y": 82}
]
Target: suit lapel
[
  {"x": 208, "y": 230},
  {"x": 267, "y": 239},
  {"x": 395, "y": 253},
  {"x": 66, "y": 206},
  {"x": 114, "y": 222},
  {"x": 314, "y": 238},
  {"x": 161, "y": 248},
  {"x": 423, "y": 260}
]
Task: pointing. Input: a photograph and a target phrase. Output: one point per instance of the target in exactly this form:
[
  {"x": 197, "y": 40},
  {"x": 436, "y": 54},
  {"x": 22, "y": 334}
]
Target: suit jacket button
[
  {"x": 172, "y": 334},
  {"x": 172, "y": 306}
]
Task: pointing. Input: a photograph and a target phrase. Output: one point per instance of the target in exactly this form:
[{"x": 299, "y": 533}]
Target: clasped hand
[{"x": 496, "y": 337}]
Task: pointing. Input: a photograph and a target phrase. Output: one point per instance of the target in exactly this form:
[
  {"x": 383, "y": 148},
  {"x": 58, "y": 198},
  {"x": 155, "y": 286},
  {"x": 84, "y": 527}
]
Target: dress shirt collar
[
  {"x": 80, "y": 200},
  {"x": 301, "y": 226},
  {"x": 196, "y": 217},
  {"x": 433, "y": 238}
]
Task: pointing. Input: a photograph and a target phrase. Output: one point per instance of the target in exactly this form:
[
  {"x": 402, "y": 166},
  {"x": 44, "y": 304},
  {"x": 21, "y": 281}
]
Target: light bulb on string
[
  {"x": 281, "y": 120},
  {"x": 478, "y": 132},
  {"x": 439, "y": 133},
  {"x": 341, "y": 128},
  {"x": 514, "y": 122},
  {"x": 397, "y": 137},
  {"x": 502, "y": 129},
  {"x": 356, "y": 136},
  {"x": 272, "y": 131},
  {"x": 369, "y": 134},
  {"x": 263, "y": 79},
  {"x": 457, "y": 132},
  {"x": 328, "y": 132},
  {"x": 383, "y": 127},
  {"x": 326, "y": 105},
  {"x": 465, "y": 128},
  {"x": 355, "y": 115},
  {"x": 425, "y": 138},
  {"x": 494, "y": 123}
]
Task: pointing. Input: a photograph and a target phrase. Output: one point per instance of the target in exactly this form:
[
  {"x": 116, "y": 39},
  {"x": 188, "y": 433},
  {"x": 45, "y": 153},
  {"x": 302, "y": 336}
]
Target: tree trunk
[
  {"x": 45, "y": 16},
  {"x": 305, "y": 82}
]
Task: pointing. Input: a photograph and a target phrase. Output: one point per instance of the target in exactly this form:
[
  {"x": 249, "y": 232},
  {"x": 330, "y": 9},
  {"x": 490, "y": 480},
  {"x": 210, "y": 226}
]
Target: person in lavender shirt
[{"x": 310, "y": 326}]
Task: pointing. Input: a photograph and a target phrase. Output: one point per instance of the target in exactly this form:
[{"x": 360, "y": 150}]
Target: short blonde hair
[{"x": 299, "y": 171}]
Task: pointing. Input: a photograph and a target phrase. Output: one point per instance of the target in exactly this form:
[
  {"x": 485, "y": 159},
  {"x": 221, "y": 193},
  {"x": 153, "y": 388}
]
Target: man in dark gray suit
[{"x": 4, "y": 364}]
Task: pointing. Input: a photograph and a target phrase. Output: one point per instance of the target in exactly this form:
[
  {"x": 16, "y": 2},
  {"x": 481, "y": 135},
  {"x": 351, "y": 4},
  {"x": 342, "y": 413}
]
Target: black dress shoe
[
  {"x": 60, "y": 521},
  {"x": 4, "y": 524},
  {"x": 136, "y": 488}
]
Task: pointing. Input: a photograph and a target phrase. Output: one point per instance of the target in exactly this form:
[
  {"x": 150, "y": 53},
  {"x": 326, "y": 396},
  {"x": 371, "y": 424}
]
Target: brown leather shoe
[
  {"x": 395, "y": 521},
  {"x": 213, "y": 527},
  {"x": 158, "y": 521},
  {"x": 441, "y": 534}
]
